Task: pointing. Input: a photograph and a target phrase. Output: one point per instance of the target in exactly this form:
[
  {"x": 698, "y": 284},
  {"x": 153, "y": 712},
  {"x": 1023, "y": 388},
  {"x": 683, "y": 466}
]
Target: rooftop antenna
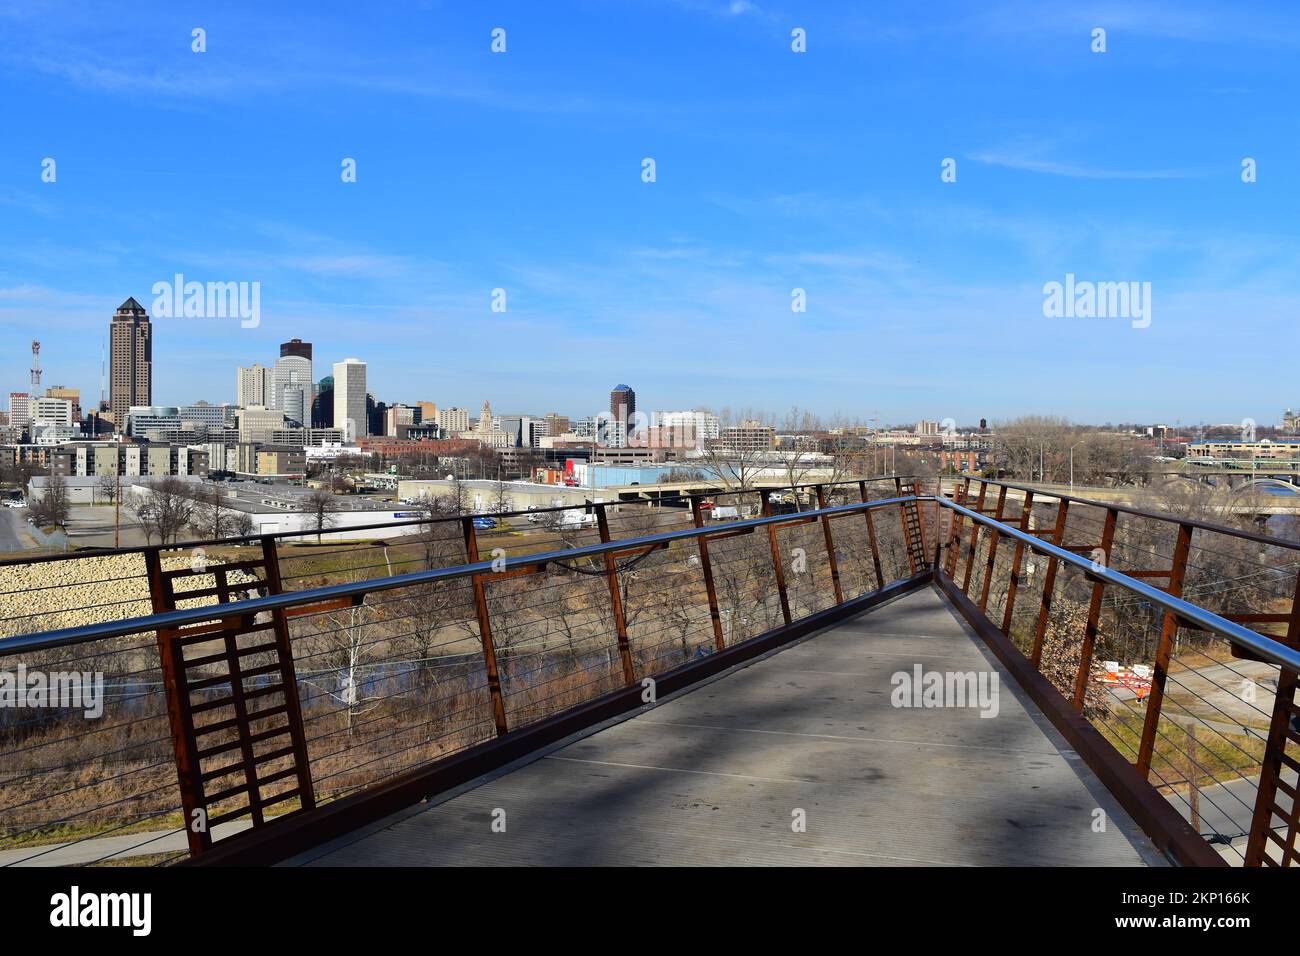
[{"x": 36, "y": 369}]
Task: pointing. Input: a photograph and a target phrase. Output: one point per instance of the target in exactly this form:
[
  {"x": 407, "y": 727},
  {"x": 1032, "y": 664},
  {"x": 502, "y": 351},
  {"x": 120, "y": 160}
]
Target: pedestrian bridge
[
  {"x": 897, "y": 677},
  {"x": 796, "y": 758}
]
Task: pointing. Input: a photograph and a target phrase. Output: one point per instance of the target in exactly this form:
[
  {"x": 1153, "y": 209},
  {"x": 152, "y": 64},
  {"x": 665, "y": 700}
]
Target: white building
[
  {"x": 702, "y": 424},
  {"x": 453, "y": 420},
  {"x": 50, "y": 411},
  {"x": 292, "y": 387},
  {"x": 350, "y": 398},
  {"x": 259, "y": 424},
  {"x": 253, "y": 386}
]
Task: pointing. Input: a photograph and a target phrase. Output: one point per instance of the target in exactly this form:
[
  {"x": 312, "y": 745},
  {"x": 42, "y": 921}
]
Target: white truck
[
  {"x": 576, "y": 519},
  {"x": 725, "y": 513}
]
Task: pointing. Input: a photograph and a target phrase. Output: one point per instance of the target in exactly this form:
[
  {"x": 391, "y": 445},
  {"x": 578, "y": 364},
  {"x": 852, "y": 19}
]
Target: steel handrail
[
  {"x": 65, "y": 637},
  {"x": 431, "y": 519},
  {"x": 1270, "y": 650},
  {"x": 1040, "y": 493}
]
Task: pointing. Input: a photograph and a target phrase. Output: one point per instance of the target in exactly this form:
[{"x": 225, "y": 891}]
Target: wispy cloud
[{"x": 1075, "y": 170}]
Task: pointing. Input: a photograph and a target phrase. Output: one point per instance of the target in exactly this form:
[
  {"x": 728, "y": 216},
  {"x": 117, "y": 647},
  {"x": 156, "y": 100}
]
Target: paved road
[
  {"x": 13, "y": 534},
  {"x": 717, "y": 775},
  {"x": 118, "y": 847}
]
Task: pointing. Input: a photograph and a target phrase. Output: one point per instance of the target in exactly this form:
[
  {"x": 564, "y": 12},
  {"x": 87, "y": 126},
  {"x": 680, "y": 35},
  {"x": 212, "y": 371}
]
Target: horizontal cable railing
[
  {"x": 1191, "y": 679},
  {"x": 237, "y": 702},
  {"x": 241, "y": 698}
]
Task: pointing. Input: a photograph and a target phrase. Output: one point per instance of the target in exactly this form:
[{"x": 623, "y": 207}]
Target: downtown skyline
[{"x": 775, "y": 171}]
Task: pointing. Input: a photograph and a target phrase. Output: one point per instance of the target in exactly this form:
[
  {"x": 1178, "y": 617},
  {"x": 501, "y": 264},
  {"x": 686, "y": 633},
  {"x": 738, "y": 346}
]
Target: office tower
[
  {"x": 700, "y": 424},
  {"x": 253, "y": 386},
  {"x": 622, "y": 404},
  {"x": 322, "y": 406},
  {"x": 398, "y": 420},
  {"x": 19, "y": 409},
  {"x": 556, "y": 424},
  {"x": 73, "y": 395},
  {"x": 453, "y": 420},
  {"x": 131, "y": 358},
  {"x": 291, "y": 381},
  {"x": 350, "y": 398},
  {"x": 428, "y": 412}
]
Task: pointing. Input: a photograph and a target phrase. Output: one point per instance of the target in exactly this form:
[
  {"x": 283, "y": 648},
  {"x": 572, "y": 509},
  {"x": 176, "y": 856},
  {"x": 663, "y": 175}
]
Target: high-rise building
[
  {"x": 253, "y": 386},
  {"x": 50, "y": 411},
  {"x": 398, "y": 420},
  {"x": 291, "y": 381},
  {"x": 557, "y": 424},
  {"x": 622, "y": 404},
  {"x": 350, "y": 398},
  {"x": 71, "y": 394},
  {"x": 700, "y": 424},
  {"x": 322, "y": 406},
  {"x": 19, "y": 409},
  {"x": 453, "y": 420},
  {"x": 131, "y": 358}
]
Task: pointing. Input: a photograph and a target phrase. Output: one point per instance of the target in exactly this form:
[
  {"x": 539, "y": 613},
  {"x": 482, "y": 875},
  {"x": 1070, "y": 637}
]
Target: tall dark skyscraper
[
  {"x": 622, "y": 403},
  {"x": 131, "y": 358}
]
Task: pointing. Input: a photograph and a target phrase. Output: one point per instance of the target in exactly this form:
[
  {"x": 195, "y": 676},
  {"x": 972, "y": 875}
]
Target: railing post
[
  {"x": 993, "y": 550},
  {"x": 1164, "y": 651},
  {"x": 1049, "y": 582},
  {"x": 1027, "y": 511},
  {"x": 171, "y": 664},
  {"x": 288, "y": 675},
  {"x": 616, "y": 599},
  {"x": 765, "y": 497},
  {"x": 871, "y": 537},
  {"x": 961, "y": 496},
  {"x": 830, "y": 546},
  {"x": 485, "y": 629},
  {"x": 974, "y": 540},
  {"x": 1094, "y": 614},
  {"x": 706, "y": 565},
  {"x": 1284, "y": 700}
]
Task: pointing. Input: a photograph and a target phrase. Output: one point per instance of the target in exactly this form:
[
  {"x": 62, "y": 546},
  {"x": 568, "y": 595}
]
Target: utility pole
[
  {"x": 117, "y": 508},
  {"x": 1072, "y": 448}
]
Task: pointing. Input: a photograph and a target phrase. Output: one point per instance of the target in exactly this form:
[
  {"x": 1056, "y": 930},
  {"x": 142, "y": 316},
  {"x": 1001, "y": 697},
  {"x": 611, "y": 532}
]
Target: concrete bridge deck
[{"x": 714, "y": 775}]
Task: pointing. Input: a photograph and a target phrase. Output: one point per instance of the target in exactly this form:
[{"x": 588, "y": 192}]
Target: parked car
[
  {"x": 15, "y": 503},
  {"x": 485, "y": 524}
]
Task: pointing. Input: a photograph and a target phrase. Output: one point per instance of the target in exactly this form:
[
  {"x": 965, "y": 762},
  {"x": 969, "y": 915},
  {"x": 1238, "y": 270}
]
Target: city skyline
[{"x": 683, "y": 285}]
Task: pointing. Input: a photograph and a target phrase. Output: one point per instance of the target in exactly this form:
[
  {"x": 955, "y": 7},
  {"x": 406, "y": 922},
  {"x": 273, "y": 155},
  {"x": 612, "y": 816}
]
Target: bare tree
[
  {"x": 241, "y": 524},
  {"x": 106, "y": 487},
  {"x": 213, "y": 513},
  {"x": 163, "y": 509},
  {"x": 52, "y": 508},
  {"x": 342, "y": 645},
  {"x": 321, "y": 508}
]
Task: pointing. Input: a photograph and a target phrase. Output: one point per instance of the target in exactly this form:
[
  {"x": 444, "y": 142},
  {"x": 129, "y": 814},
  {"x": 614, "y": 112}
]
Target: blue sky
[{"x": 775, "y": 170}]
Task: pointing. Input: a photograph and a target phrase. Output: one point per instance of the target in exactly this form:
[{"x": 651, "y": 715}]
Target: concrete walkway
[{"x": 723, "y": 773}]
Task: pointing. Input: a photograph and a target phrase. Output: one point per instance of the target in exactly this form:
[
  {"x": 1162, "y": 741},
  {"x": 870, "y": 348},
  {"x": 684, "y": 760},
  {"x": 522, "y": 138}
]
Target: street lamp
[{"x": 1072, "y": 448}]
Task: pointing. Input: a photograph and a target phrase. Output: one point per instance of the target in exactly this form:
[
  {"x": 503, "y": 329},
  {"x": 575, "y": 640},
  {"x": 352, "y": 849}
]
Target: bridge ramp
[{"x": 717, "y": 775}]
